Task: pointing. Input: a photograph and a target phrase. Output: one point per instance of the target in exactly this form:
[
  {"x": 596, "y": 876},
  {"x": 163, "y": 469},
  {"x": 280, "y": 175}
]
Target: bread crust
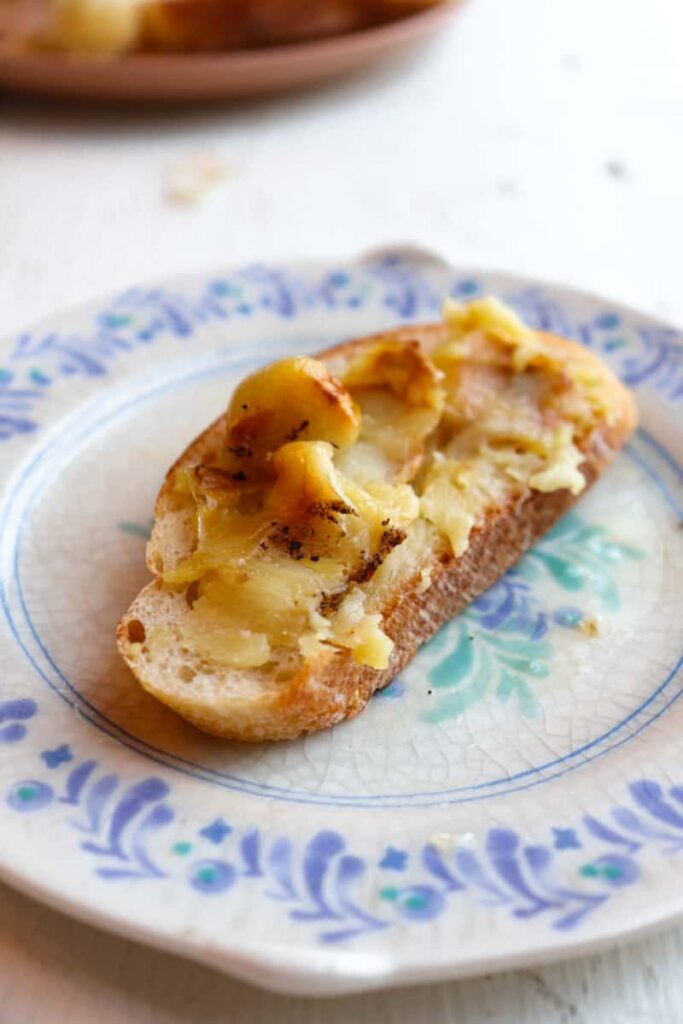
[{"x": 334, "y": 686}]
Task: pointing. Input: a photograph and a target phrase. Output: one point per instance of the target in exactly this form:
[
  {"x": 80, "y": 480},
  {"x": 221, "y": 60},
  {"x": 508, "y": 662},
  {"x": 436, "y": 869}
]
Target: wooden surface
[{"x": 540, "y": 137}]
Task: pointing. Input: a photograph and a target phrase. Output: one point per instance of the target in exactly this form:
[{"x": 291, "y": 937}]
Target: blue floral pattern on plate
[
  {"x": 504, "y": 640},
  {"x": 117, "y": 827},
  {"x": 133, "y": 828},
  {"x": 649, "y": 355}
]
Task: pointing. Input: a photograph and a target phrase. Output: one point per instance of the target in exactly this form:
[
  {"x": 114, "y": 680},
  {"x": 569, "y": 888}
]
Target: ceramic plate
[
  {"x": 515, "y": 796},
  {"x": 189, "y": 77}
]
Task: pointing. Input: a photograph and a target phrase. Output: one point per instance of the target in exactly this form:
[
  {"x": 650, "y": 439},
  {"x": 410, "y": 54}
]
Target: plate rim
[
  {"x": 282, "y": 978},
  {"x": 264, "y": 971}
]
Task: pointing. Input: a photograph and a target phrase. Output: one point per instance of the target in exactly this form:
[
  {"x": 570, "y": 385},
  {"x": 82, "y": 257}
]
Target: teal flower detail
[
  {"x": 503, "y": 644},
  {"x": 579, "y": 557},
  {"x": 503, "y": 650}
]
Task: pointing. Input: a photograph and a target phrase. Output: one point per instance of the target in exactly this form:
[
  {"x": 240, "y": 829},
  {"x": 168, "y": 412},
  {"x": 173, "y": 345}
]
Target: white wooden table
[{"x": 543, "y": 137}]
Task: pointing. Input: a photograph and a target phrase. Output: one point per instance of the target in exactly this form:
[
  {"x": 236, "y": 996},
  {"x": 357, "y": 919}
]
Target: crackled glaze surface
[{"x": 516, "y": 791}]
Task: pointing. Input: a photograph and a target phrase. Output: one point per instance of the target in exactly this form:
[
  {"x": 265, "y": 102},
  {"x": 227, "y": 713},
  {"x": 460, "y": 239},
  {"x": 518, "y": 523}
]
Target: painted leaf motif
[{"x": 456, "y": 665}]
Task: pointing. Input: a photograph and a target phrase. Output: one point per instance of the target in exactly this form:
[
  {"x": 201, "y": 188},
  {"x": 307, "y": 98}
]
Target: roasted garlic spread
[{"x": 331, "y": 488}]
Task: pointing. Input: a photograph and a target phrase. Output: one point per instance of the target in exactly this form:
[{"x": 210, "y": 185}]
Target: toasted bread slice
[{"x": 512, "y": 490}]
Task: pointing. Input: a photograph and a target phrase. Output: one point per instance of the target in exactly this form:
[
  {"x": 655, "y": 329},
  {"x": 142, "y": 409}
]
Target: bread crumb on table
[{"x": 188, "y": 179}]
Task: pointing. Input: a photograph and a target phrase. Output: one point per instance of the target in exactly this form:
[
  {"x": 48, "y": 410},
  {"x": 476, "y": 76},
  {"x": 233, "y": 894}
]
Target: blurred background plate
[{"x": 202, "y": 76}]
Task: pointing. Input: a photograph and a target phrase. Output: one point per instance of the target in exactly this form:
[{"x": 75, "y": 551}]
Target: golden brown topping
[
  {"x": 107, "y": 26},
  {"x": 399, "y": 391},
  {"x": 308, "y": 502},
  {"x": 292, "y": 400},
  {"x": 213, "y": 478},
  {"x": 401, "y": 366},
  {"x": 391, "y": 538},
  {"x": 319, "y": 505},
  {"x": 491, "y": 320},
  {"x": 306, "y": 483}
]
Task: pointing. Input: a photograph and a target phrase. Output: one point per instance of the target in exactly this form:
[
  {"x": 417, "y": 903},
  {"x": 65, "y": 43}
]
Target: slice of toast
[{"x": 492, "y": 432}]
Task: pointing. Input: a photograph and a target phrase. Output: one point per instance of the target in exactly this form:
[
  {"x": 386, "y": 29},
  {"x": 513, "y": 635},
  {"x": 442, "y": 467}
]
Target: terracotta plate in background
[{"x": 188, "y": 77}]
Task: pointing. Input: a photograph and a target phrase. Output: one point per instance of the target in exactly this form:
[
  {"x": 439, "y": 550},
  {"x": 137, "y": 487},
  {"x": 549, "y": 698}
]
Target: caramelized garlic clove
[
  {"x": 404, "y": 368},
  {"x": 295, "y": 399}
]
